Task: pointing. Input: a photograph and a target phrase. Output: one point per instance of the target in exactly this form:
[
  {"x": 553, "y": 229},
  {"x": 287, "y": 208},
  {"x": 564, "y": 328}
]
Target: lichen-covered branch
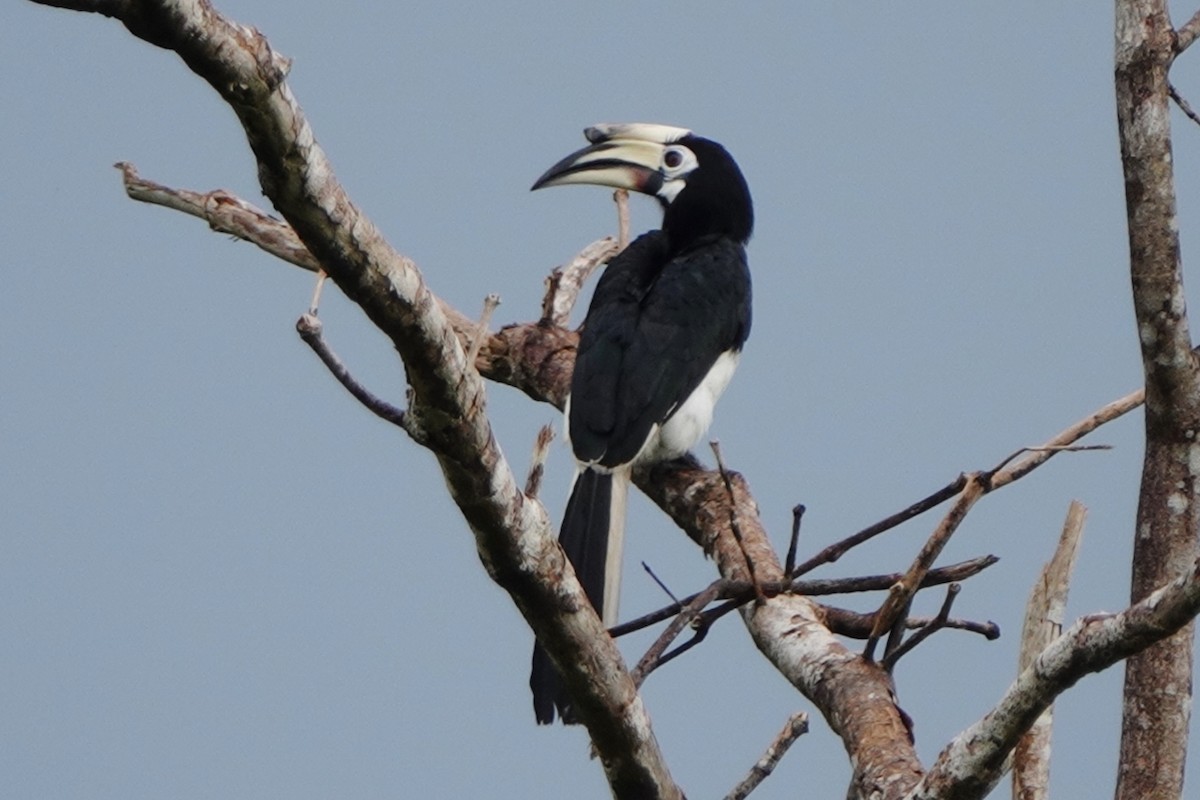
[
  {"x": 1157, "y": 702},
  {"x": 446, "y": 410},
  {"x": 973, "y": 762},
  {"x": 446, "y": 356}
]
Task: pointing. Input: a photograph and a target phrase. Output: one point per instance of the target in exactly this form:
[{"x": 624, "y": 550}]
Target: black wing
[{"x": 655, "y": 327}]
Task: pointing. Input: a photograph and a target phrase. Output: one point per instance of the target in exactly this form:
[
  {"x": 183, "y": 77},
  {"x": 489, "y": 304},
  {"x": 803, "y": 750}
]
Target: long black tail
[{"x": 585, "y": 538}]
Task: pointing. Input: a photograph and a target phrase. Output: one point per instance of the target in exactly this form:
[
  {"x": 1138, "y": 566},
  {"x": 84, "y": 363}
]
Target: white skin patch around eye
[{"x": 674, "y": 177}]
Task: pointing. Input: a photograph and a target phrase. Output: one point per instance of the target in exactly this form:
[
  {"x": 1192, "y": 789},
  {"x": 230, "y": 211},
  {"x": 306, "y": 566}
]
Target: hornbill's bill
[{"x": 658, "y": 346}]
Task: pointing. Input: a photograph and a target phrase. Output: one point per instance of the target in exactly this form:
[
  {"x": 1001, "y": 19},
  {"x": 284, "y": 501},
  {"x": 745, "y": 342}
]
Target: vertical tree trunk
[{"x": 1158, "y": 688}]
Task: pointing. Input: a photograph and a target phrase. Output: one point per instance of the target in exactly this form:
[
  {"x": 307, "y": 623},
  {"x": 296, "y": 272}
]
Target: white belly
[{"x": 691, "y": 420}]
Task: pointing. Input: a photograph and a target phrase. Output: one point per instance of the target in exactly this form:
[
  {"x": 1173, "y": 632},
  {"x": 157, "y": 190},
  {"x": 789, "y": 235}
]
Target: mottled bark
[
  {"x": 1158, "y": 681},
  {"x": 447, "y": 414},
  {"x": 1043, "y": 623}
]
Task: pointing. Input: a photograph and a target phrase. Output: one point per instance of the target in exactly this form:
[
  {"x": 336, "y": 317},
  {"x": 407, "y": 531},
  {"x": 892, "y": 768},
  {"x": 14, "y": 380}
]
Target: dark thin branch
[
  {"x": 701, "y": 627},
  {"x": 835, "y": 551},
  {"x": 309, "y": 328},
  {"x": 743, "y": 592},
  {"x": 897, "y": 604},
  {"x": 1183, "y": 104},
  {"x": 1048, "y": 448},
  {"x": 793, "y": 729},
  {"x": 859, "y": 625},
  {"x": 789, "y": 563},
  {"x": 653, "y": 657},
  {"x": 666, "y": 590},
  {"x": 878, "y": 583},
  {"x": 881, "y": 623},
  {"x": 939, "y": 622}
]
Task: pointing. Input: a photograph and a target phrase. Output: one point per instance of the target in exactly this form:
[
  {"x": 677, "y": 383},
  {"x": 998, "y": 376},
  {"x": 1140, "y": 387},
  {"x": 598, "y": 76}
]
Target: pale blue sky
[{"x": 220, "y": 577}]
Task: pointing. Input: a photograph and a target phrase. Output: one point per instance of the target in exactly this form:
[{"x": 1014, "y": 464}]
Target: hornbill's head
[{"x": 698, "y": 183}]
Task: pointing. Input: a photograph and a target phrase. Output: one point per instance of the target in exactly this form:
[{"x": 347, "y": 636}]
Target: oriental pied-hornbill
[{"x": 658, "y": 346}]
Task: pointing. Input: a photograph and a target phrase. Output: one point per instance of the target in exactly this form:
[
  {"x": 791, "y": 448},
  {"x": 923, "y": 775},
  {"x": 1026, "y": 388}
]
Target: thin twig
[
  {"x": 895, "y": 608},
  {"x": 700, "y": 627},
  {"x": 814, "y": 588},
  {"x": 878, "y": 583},
  {"x": 880, "y": 622},
  {"x": 660, "y": 583},
  {"x": 793, "y": 729},
  {"x": 1001, "y": 475},
  {"x": 789, "y": 564},
  {"x": 1051, "y": 449},
  {"x": 315, "y": 302},
  {"x": 309, "y": 328},
  {"x": 653, "y": 657},
  {"x": 537, "y": 464},
  {"x": 838, "y": 549},
  {"x": 938, "y": 622},
  {"x": 733, "y": 520},
  {"x": 857, "y": 625},
  {"x": 621, "y": 198},
  {"x": 489, "y": 306},
  {"x": 1038, "y": 456},
  {"x": 1183, "y": 104}
]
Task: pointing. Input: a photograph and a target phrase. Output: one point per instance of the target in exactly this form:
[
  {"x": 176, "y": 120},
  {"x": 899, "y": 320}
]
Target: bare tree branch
[
  {"x": 109, "y": 8},
  {"x": 447, "y": 415},
  {"x": 535, "y": 358},
  {"x": 689, "y": 611},
  {"x": 897, "y": 605},
  {"x": 621, "y": 198},
  {"x": 1183, "y": 104},
  {"x": 537, "y": 464},
  {"x": 789, "y": 561},
  {"x": 1158, "y": 697},
  {"x": 838, "y": 549},
  {"x": 858, "y": 625},
  {"x": 972, "y": 763},
  {"x": 309, "y": 328},
  {"x": 224, "y": 212},
  {"x": 489, "y": 307},
  {"x": 733, "y": 590},
  {"x": 447, "y": 401},
  {"x": 1187, "y": 33},
  {"x": 788, "y": 629},
  {"x": 565, "y": 282},
  {"x": 793, "y": 729},
  {"x": 1043, "y": 623},
  {"x": 942, "y": 620}
]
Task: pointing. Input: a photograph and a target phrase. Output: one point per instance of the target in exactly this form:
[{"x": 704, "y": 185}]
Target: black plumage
[{"x": 660, "y": 340}]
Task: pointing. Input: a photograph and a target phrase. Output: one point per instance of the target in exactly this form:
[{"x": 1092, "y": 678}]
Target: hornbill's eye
[{"x": 672, "y": 159}]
